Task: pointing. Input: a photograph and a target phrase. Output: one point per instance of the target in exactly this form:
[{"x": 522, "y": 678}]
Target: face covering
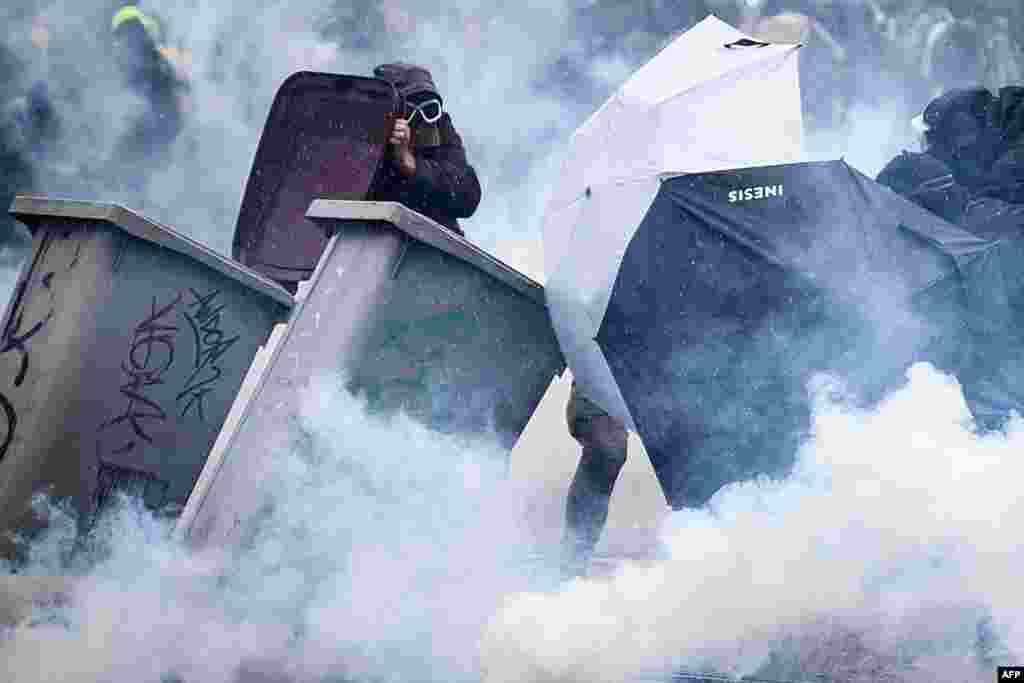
[{"x": 426, "y": 135}]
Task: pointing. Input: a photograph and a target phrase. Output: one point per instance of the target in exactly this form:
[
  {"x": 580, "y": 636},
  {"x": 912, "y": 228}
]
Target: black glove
[
  {"x": 909, "y": 170},
  {"x": 927, "y": 182}
]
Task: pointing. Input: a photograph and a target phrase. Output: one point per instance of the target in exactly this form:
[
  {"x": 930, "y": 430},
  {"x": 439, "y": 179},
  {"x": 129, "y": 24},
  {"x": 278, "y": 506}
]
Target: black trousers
[{"x": 604, "y": 440}]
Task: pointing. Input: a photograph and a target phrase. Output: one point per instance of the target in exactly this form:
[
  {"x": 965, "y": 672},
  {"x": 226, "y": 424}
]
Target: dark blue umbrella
[{"x": 738, "y": 286}]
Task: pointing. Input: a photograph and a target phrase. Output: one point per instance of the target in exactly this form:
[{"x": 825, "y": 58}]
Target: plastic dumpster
[
  {"x": 416, "y": 319},
  {"x": 123, "y": 347},
  {"x": 325, "y": 136}
]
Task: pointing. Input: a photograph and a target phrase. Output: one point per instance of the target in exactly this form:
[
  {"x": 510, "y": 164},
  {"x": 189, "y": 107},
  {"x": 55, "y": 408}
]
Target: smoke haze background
[{"x": 391, "y": 552}]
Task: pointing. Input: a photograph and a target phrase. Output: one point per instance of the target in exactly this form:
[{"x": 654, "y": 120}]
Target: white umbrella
[{"x": 713, "y": 99}]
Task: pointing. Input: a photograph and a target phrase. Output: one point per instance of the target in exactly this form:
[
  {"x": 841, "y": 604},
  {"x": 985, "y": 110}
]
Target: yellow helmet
[{"x": 133, "y": 13}]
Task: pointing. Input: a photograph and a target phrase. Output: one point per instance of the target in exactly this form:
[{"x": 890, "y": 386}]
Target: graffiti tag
[
  {"x": 211, "y": 343},
  {"x": 150, "y": 356},
  {"x": 11, "y": 420},
  {"x": 14, "y": 339}
]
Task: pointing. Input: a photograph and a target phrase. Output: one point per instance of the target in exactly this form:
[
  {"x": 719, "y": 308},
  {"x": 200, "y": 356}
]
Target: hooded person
[
  {"x": 960, "y": 131},
  {"x": 929, "y": 183},
  {"x": 972, "y": 172},
  {"x": 425, "y": 168}
]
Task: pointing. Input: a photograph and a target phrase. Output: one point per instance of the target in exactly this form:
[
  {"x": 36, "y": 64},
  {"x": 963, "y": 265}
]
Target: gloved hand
[
  {"x": 927, "y": 182},
  {"x": 909, "y": 170}
]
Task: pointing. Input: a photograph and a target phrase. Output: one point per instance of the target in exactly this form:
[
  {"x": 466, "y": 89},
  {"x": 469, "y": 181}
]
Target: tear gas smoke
[
  {"x": 382, "y": 551},
  {"x": 387, "y": 551},
  {"x": 390, "y": 553},
  {"x": 894, "y": 533}
]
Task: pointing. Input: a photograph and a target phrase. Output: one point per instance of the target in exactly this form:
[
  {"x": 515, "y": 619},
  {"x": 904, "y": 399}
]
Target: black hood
[{"x": 409, "y": 79}]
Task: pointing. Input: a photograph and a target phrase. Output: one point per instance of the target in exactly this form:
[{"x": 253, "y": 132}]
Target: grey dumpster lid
[
  {"x": 425, "y": 230},
  {"x": 31, "y": 210}
]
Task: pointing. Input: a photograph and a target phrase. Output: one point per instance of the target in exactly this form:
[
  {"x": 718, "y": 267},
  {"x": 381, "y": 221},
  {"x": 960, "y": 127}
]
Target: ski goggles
[{"x": 430, "y": 110}]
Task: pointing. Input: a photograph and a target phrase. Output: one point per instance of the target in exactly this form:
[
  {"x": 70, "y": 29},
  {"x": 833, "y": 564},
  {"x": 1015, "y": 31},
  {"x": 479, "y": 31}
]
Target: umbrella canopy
[
  {"x": 712, "y": 99},
  {"x": 698, "y": 275},
  {"x": 738, "y": 285}
]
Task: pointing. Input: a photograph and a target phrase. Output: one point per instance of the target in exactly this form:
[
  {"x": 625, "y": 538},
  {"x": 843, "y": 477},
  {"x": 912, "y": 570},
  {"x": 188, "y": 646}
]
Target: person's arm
[
  {"x": 927, "y": 182},
  {"x": 446, "y": 179}
]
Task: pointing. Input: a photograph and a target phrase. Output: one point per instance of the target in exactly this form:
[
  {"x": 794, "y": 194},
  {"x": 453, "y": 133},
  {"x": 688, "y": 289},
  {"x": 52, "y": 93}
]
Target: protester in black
[{"x": 426, "y": 167}]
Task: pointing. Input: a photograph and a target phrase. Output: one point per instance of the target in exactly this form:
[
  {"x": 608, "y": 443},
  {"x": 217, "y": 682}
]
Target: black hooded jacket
[{"x": 444, "y": 188}]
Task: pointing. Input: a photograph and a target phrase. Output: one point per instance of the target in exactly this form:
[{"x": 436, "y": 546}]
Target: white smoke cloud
[
  {"x": 872, "y": 137},
  {"x": 895, "y": 529},
  {"x": 382, "y": 553},
  {"x": 390, "y": 553}
]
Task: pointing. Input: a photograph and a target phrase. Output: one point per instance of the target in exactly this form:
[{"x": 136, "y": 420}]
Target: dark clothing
[
  {"x": 604, "y": 440},
  {"x": 28, "y": 131},
  {"x": 993, "y": 219},
  {"x": 990, "y": 214},
  {"x": 410, "y": 80},
  {"x": 1008, "y": 113},
  {"x": 927, "y": 182},
  {"x": 580, "y": 408},
  {"x": 150, "y": 76},
  {"x": 961, "y": 134},
  {"x": 444, "y": 188},
  {"x": 992, "y": 210},
  {"x": 1005, "y": 179},
  {"x": 980, "y": 136},
  {"x": 16, "y": 176},
  {"x": 909, "y": 170}
]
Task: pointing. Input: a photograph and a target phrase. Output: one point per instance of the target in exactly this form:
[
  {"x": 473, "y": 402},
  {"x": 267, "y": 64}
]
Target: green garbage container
[
  {"x": 122, "y": 349},
  {"x": 416, "y": 319}
]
